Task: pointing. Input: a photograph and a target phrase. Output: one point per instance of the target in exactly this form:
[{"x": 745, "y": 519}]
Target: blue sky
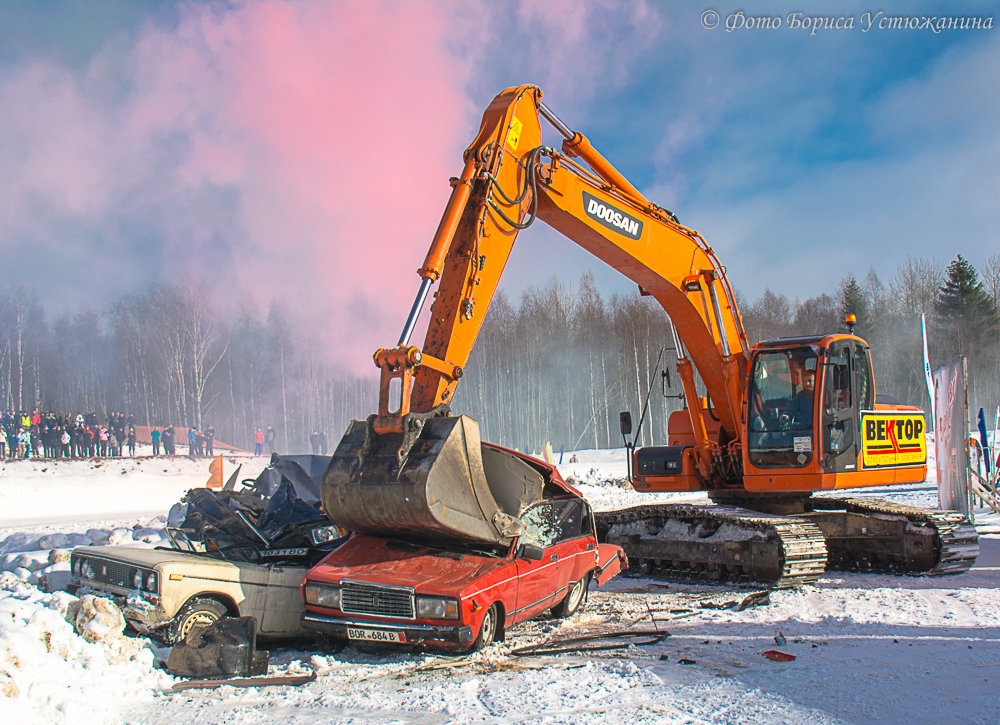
[{"x": 307, "y": 145}]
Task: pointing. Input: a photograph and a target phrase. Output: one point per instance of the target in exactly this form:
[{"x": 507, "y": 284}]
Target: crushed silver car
[{"x": 242, "y": 551}]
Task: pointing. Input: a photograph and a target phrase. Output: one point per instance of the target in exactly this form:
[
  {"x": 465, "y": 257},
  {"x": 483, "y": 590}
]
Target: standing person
[
  {"x": 167, "y": 438},
  {"x": 192, "y": 441},
  {"x": 155, "y": 438},
  {"x": 210, "y": 441},
  {"x": 258, "y": 442},
  {"x": 131, "y": 440},
  {"x": 3, "y": 443},
  {"x": 269, "y": 436},
  {"x": 314, "y": 442},
  {"x": 322, "y": 442},
  {"x": 64, "y": 440}
]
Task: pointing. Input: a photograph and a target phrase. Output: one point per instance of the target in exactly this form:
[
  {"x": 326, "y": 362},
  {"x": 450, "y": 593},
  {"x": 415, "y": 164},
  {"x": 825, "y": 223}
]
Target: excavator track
[
  {"x": 873, "y": 534},
  {"x": 714, "y": 544}
]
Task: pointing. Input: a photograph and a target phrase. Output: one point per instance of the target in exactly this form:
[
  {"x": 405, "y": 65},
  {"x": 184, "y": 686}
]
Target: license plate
[
  {"x": 284, "y": 552},
  {"x": 375, "y": 635}
]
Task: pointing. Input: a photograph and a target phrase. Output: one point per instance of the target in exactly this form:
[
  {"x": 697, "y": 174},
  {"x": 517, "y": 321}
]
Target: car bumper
[
  {"x": 412, "y": 633},
  {"x": 143, "y": 614}
]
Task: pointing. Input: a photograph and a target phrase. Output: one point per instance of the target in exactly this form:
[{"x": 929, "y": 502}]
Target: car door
[
  {"x": 283, "y": 607},
  {"x": 538, "y": 581},
  {"x": 253, "y": 583},
  {"x": 574, "y": 542}
]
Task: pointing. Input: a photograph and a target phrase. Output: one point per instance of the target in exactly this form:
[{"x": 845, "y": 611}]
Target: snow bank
[{"x": 63, "y": 659}]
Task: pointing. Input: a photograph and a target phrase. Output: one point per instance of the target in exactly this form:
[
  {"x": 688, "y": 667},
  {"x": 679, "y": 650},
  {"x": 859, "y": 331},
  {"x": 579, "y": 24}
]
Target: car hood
[
  {"x": 155, "y": 557},
  {"x": 388, "y": 562}
]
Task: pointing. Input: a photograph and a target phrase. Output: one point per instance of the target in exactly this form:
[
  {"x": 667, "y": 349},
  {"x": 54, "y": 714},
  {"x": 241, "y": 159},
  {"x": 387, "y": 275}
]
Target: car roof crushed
[{"x": 269, "y": 517}]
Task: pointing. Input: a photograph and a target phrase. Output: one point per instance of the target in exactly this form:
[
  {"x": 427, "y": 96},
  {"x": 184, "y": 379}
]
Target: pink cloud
[
  {"x": 337, "y": 126},
  {"x": 282, "y": 149}
]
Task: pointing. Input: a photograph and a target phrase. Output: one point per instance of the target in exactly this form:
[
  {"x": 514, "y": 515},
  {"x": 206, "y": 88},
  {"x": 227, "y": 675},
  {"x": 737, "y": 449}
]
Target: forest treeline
[
  {"x": 557, "y": 365},
  {"x": 561, "y": 365}
]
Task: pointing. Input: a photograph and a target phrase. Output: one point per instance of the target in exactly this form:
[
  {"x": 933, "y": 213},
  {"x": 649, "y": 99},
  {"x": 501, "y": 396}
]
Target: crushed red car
[{"x": 463, "y": 594}]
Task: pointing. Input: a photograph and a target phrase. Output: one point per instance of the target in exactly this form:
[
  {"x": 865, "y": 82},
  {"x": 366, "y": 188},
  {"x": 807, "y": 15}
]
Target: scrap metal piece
[
  {"x": 224, "y": 648},
  {"x": 263, "y": 681},
  {"x": 625, "y": 638}
]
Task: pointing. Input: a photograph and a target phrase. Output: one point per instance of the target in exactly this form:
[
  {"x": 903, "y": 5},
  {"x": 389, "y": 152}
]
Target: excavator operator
[{"x": 801, "y": 409}]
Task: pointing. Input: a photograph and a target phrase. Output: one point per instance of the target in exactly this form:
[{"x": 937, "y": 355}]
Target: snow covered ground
[{"x": 867, "y": 648}]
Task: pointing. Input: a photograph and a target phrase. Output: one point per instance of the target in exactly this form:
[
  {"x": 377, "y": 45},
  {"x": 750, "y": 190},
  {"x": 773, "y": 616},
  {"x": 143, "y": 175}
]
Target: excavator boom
[{"x": 508, "y": 181}]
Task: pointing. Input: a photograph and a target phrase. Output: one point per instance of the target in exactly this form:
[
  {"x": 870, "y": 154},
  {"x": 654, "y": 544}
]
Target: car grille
[
  {"x": 112, "y": 572},
  {"x": 382, "y": 602}
]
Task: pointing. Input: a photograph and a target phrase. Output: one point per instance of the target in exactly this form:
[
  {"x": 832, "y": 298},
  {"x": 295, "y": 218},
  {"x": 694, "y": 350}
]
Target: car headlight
[
  {"x": 321, "y": 595},
  {"x": 325, "y": 534},
  {"x": 76, "y": 566},
  {"x": 137, "y": 580},
  {"x": 437, "y": 608},
  {"x": 86, "y": 569},
  {"x": 151, "y": 582}
]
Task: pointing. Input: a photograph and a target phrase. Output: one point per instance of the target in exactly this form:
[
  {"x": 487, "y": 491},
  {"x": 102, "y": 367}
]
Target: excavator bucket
[{"x": 431, "y": 486}]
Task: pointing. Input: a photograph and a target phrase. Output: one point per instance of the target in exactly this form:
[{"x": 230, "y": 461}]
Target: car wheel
[
  {"x": 199, "y": 612},
  {"x": 488, "y": 630},
  {"x": 574, "y": 599}
]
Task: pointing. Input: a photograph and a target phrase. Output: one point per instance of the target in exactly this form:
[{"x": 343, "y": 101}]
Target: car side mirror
[
  {"x": 532, "y": 552},
  {"x": 625, "y": 422}
]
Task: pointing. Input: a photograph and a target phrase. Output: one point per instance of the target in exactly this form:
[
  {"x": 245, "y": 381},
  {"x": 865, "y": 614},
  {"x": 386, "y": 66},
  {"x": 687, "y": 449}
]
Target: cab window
[
  {"x": 838, "y": 402},
  {"x": 782, "y": 408},
  {"x": 863, "y": 370}
]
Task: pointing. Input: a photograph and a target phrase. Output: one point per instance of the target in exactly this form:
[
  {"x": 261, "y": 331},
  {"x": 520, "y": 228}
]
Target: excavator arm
[
  {"x": 510, "y": 180},
  {"x": 413, "y": 467}
]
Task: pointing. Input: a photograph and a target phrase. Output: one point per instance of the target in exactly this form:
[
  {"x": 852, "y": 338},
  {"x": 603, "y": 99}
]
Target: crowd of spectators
[
  {"x": 84, "y": 435},
  {"x": 52, "y": 435}
]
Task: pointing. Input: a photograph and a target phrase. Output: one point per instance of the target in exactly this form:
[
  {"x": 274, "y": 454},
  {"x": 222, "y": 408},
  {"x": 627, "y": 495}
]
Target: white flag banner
[
  {"x": 995, "y": 449},
  {"x": 951, "y": 436},
  {"x": 927, "y": 368}
]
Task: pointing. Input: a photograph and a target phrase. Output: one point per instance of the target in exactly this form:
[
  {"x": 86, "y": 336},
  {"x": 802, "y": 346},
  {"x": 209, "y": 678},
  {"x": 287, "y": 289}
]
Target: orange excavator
[{"x": 780, "y": 421}]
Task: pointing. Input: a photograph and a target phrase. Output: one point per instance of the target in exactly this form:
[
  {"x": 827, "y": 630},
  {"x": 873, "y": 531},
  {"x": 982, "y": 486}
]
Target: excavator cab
[
  {"x": 805, "y": 399},
  {"x": 782, "y": 425}
]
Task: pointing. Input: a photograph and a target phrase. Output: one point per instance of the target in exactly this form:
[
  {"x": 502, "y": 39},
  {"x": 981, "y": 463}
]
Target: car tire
[
  {"x": 198, "y": 612},
  {"x": 575, "y": 599},
  {"x": 488, "y": 629}
]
